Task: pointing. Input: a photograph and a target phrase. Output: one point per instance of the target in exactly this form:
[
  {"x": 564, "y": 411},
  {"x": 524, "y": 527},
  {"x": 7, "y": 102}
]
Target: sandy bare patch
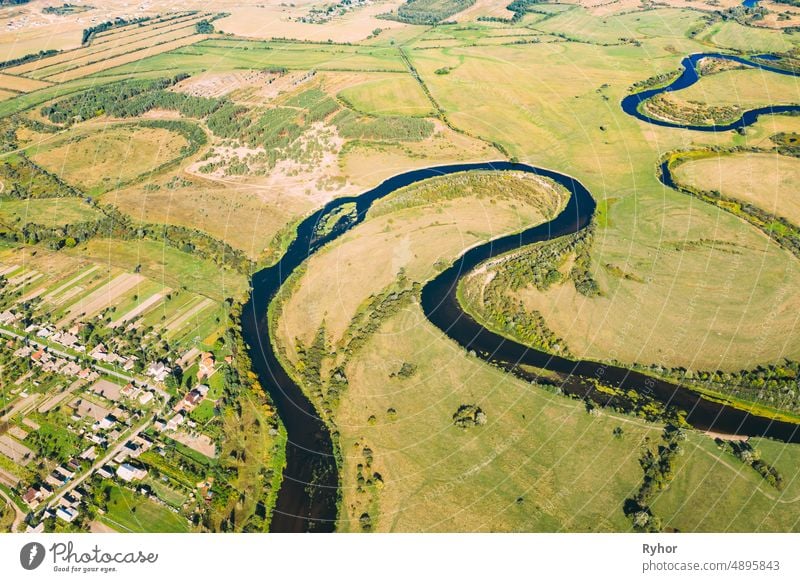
[
  {"x": 85, "y": 408},
  {"x": 317, "y": 179},
  {"x": 107, "y": 390},
  {"x": 201, "y": 443},
  {"x": 491, "y": 8}
]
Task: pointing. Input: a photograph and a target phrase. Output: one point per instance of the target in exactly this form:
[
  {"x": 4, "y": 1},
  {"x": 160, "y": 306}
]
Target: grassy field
[
  {"x": 714, "y": 491},
  {"x": 246, "y": 216},
  {"x": 7, "y": 516},
  {"x": 682, "y": 283},
  {"x": 766, "y": 180},
  {"x": 225, "y": 55},
  {"x": 388, "y": 96},
  {"x": 50, "y": 212},
  {"x": 98, "y": 156},
  {"x": 713, "y": 318},
  {"x": 129, "y": 512},
  {"x": 732, "y": 35},
  {"x": 557, "y": 105}
]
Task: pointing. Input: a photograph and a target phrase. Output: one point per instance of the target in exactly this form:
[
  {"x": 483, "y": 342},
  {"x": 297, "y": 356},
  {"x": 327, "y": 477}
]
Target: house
[
  {"x": 71, "y": 369},
  {"x": 7, "y": 317},
  {"x": 174, "y": 422},
  {"x": 192, "y": 399},
  {"x": 56, "y": 479},
  {"x": 45, "y": 332},
  {"x": 65, "y": 472},
  {"x": 89, "y": 454},
  {"x": 158, "y": 371},
  {"x": 66, "y": 339},
  {"x": 206, "y": 366},
  {"x": 129, "y": 473},
  {"x": 145, "y": 397},
  {"x": 99, "y": 352},
  {"x": 105, "y": 472},
  {"x": 107, "y": 422},
  {"x": 32, "y": 497},
  {"x": 160, "y": 425},
  {"x": 67, "y": 513},
  {"x": 202, "y": 389},
  {"x": 37, "y": 355}
]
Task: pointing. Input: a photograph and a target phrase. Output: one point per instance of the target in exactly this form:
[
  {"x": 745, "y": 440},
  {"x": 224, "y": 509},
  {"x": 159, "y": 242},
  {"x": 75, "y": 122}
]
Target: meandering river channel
[{"x": 308, "y": 498}]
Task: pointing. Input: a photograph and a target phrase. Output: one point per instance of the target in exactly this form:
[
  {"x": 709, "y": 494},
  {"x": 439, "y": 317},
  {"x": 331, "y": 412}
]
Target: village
[{"x": 82, "y": 421}]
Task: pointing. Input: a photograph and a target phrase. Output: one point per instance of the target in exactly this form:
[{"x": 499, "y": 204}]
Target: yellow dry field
[
  {"x": 21, "y": 84},
  {"x": 522, "y": 454},
  {"x": 23, "y": 33},
  {"x": 56, "y": 68},
  {"x": 491, "y": 8},
  {"x": 100, "y": 47},
  {"x": 136, "y": 32},
  {"x": 7, "y": 94},
  {"x": 246, "y": 216},
  {"x": 53, "y": 264},
  {"x": 108, "y": 154},
  {"x": 266, "y": 20},
  {"x": 249, "y": 213},
  {"x": 767, "y": 180},
  {"x": 123, "y": 59}
]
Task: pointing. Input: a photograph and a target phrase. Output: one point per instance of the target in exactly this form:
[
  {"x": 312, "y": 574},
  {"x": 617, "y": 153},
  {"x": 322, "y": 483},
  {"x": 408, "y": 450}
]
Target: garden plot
[
  {"x": 101, "y": 298},
  {"x": 15, "y": 451},
  {"x": 140, "y": 309}
]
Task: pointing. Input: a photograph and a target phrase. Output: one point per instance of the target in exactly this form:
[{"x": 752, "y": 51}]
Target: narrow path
[{"x": 19, "y": 515}]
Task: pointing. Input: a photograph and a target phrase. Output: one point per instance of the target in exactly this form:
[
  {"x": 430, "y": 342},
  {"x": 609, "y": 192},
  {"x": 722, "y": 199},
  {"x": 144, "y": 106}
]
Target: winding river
[
  {"x": 689, "y": 76},
  {"x": 308, "y": 497}
]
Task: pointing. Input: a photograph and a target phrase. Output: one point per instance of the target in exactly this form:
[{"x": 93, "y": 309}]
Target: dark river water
[{"x": 308, "y": 497}]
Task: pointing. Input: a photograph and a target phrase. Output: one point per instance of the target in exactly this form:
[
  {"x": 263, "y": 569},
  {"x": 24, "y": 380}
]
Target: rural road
[
  {"x": 102, "y": 461},
  {"x": 69, "y": 356},
  {"x": 20, "y": 516}
]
